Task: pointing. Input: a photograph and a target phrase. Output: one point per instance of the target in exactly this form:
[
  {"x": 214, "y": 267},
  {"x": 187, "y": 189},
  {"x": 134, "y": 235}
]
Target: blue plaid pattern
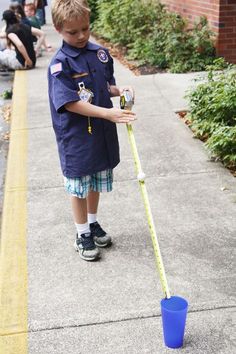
[{"x": 97, "y": 182}]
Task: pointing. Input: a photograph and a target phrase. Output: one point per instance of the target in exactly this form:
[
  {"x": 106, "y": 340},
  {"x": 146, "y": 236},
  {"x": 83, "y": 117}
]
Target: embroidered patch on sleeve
[{"x": 56, "y": 68}]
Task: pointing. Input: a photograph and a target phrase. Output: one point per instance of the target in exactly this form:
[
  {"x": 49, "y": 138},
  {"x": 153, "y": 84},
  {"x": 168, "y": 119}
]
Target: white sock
[
  {"x": 82, "y": 228},
  {"x": 92, "y": 218}
]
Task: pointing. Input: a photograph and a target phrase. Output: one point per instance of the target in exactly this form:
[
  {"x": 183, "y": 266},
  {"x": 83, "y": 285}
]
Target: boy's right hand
[{"x": 117, "y": 115}]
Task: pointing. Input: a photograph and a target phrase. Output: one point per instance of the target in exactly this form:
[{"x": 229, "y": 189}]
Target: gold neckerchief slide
[{"x": 86, "y": 95}]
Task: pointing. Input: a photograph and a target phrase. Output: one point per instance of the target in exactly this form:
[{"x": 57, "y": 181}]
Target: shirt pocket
[
  {"x": 83, "y": 78},
  {"x": 108, "y": 73}
]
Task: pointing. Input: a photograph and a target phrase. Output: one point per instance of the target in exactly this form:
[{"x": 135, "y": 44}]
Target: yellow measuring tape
[{"x": 141, "y": 179}]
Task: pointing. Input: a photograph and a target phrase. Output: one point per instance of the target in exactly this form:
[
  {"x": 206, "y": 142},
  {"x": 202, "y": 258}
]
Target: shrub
[
  {"x": 124, "y": 21},
  {"x": 222, "y": 145},
  {"x": 94, "y": 10},
  {"x": 189, "y": 50},
  {"x": 155, "y": 36},
  {"x": 212, "y": 112}
]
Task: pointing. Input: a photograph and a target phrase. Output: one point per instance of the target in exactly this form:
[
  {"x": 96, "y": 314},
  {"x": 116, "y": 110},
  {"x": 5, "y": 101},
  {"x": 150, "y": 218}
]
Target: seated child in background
[
  {"x": 19, "y": 36},
  {"x": 36, "y": 32},
  {"x": 30, "y": 12},
  {"x": 39, "y": 6},
  {"x": 19, "y": 11}
]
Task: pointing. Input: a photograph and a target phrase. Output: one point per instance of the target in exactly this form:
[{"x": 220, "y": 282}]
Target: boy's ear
[{"x": 58, "y": 29}]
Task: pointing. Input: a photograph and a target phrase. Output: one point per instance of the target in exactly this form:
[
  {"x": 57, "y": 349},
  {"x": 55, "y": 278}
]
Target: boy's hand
[{"x": 117, "y": 115}]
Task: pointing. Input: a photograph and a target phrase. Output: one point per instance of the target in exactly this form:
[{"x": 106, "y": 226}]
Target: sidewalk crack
[{"x": 114, "y": 321}]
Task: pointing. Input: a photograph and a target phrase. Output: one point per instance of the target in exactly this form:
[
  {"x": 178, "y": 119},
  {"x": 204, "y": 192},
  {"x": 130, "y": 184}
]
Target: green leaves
[
  {"x": 153, "y": 35},
  {"x": 212, "y": 112},
  {"x": 7, "y": 94},
  {"x": 222, "y": 145}
]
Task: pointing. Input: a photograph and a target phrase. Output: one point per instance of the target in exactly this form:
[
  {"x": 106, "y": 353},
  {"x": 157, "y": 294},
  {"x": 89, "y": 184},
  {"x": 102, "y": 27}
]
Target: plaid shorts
[{"x": 97, "y": 182}]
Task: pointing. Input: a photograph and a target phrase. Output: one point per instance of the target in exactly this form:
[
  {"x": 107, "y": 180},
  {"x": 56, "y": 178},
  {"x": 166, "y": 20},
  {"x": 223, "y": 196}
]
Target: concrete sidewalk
[{"x": 112, "y": 306}]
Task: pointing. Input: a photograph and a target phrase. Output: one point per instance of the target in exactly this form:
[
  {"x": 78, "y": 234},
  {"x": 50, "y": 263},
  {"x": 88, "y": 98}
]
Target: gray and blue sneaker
[
  {"x": 86, "y": 247},
  {"x": 100, "y": 237}
]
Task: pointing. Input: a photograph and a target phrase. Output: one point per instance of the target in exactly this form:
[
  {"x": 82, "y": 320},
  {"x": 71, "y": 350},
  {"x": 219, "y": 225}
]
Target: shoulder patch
[
  {"x": 56, "y": 68},
  {"x": 102, "y": 56}
]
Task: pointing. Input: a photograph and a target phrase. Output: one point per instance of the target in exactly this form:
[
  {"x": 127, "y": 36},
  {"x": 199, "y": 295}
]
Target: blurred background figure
[
  {"x": 45, "y": 3},
  {"x": 17, "y": 2},
  {"x": 30, "y": 12},
  {"x": 40, "y": 10},
  {"x": 20, "y": 13},
  {"x": 19, "y": 53},
  {"x": 33, "y": 22}
]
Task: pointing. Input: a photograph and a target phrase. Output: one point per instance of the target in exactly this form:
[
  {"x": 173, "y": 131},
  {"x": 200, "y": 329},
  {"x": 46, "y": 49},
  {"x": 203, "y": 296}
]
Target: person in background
[
  {"x": 17, "y": 2},
  {"x": 45, "y": 3},
  {"x": 30, "y": 12},
  {"x": 37, "y": 33},
  {"x": 3, "y": 42},
  {"x": 3, "y": 39},
  {"x": 39, "y": 5},
  {"x": 20, "y": 13},
  {"x": 20, "y": 37}
]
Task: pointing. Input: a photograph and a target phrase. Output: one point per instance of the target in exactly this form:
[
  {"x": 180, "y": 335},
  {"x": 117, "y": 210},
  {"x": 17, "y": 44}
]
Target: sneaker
[
  {"x": 86, "y": 247},
  {"x": 100, "y": 237}
]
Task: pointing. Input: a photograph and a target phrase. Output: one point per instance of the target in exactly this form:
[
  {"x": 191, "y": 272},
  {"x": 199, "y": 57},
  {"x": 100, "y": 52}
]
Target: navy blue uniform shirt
[{"x": 82, "y": 153}]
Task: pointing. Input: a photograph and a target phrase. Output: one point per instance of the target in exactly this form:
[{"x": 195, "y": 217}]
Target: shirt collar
[{"x": 74, "y": 52}]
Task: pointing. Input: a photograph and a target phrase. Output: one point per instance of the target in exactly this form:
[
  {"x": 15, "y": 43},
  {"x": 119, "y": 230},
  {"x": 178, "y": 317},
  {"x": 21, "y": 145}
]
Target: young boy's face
[
  {"x": 76, "y": 32},
  {"x": 29, "y": 12}
]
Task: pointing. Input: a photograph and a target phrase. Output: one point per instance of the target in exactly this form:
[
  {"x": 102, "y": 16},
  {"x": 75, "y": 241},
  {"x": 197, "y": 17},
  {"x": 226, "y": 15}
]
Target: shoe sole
[
  {"x": 103, "y": 245},
  {"x": 88, "y": 259}
]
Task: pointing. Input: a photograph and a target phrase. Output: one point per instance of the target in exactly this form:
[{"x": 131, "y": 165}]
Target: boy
[{"x": 81, "y": 83}]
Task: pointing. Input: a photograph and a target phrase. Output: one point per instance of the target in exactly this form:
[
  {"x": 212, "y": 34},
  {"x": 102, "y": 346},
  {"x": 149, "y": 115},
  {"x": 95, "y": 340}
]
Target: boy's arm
[
  {"x": 117, "y": 91},
  {"x": 114, "y": 90},
  {"x": 89, "y": 110}
]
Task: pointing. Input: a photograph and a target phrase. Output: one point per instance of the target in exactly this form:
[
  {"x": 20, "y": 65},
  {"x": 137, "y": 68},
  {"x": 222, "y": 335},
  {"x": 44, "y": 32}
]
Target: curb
[{"x": 13, "y": 256}]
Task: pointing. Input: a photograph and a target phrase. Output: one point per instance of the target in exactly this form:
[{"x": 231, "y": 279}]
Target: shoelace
[
  {"x": 97, "y": 230},
  {"x": 87, "y": 242}
]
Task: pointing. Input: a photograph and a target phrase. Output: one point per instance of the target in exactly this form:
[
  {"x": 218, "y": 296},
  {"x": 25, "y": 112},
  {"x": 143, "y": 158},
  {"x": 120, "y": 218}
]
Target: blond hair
[{"x": 65, "y": 10}]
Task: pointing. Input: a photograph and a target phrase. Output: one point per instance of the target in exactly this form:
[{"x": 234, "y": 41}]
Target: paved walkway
[{"x": 53, "y": 302}]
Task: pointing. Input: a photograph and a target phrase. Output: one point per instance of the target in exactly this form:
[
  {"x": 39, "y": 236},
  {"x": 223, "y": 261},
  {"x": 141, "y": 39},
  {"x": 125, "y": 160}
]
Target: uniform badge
[
  {"x": 85, "y": 94},
  {"x": 102, "y": 55},
  {"x": 56, "y": 68}
]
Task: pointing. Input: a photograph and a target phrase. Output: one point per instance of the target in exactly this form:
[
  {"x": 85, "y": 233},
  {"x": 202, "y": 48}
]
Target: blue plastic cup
[{"x": 174, "y": 313}]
